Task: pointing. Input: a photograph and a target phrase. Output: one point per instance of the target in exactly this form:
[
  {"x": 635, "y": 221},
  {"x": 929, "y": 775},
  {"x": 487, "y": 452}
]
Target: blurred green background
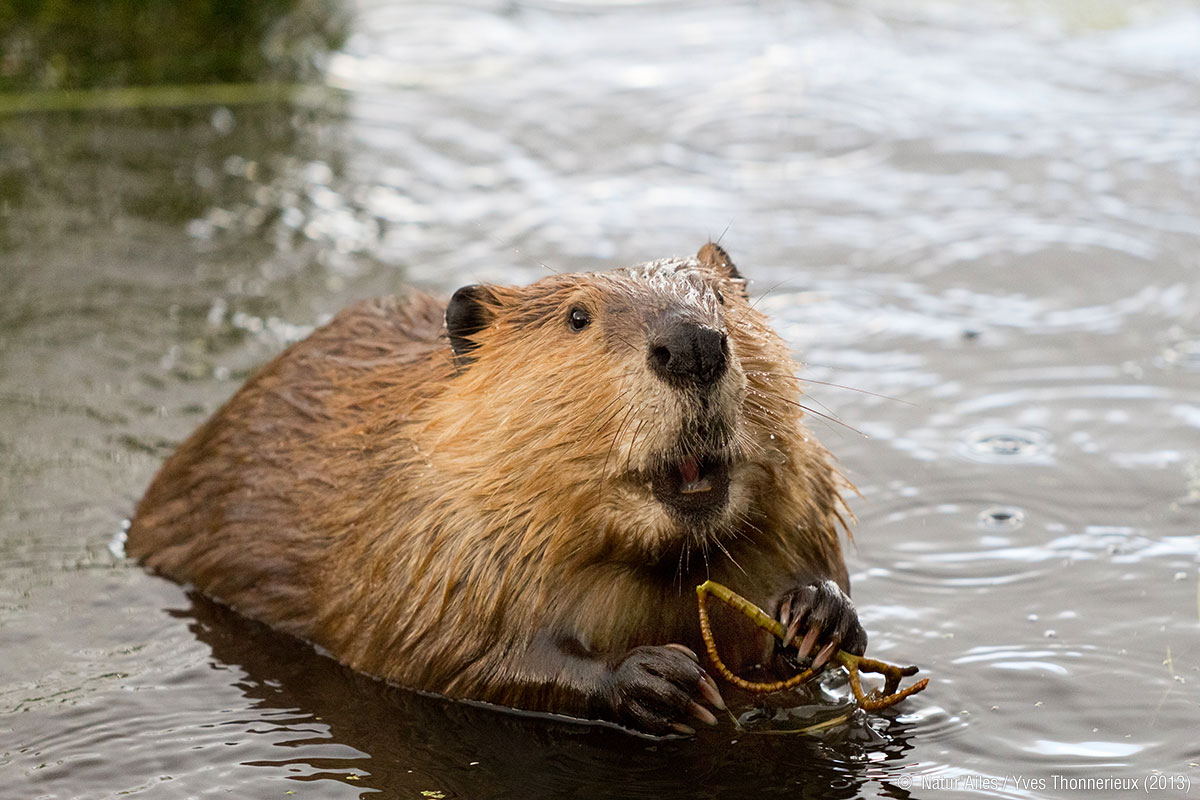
[{"x": 78, "y": 44}]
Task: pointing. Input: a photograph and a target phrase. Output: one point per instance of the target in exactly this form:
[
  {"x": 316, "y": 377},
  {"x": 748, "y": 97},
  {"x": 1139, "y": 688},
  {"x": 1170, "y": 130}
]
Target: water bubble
[
  {"x": 1008, "y": 445},
  {"x": 1002, "y": 518}
]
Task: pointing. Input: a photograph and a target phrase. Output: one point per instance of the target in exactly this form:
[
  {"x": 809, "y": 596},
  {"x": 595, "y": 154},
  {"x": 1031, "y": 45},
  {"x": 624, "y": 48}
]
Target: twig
[{"x": 855, "y": 665}]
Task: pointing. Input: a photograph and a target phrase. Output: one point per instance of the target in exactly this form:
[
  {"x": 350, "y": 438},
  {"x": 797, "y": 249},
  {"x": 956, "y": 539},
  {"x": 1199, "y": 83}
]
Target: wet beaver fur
[{"x": 510, "y": 498}]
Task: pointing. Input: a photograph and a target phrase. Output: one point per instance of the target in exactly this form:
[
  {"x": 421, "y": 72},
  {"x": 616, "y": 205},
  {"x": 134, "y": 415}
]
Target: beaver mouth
[{"x": 694, "y": 488}]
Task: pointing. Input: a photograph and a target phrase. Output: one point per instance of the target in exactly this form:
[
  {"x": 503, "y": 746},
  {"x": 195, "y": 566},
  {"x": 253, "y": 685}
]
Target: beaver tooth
[{"x": 692, "y": 483}]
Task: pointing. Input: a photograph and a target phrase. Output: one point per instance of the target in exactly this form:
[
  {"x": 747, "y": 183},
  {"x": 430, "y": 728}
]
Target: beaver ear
[
  {"x": 713, "y": 256},
  {"x": 470, "y": 310}
]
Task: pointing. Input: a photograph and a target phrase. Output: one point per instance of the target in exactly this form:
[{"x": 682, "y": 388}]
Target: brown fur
[{"x": 477, "y": 526}]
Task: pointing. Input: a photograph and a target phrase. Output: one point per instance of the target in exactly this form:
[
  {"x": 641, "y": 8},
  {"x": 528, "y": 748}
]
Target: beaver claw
[
  {"x": 655, "y": 688},
  {"x": 825, "y": 613}
]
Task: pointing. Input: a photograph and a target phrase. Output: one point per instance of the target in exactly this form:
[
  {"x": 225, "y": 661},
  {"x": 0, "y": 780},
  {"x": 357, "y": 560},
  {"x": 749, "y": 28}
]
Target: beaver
[{"x": 509, "y": 497}]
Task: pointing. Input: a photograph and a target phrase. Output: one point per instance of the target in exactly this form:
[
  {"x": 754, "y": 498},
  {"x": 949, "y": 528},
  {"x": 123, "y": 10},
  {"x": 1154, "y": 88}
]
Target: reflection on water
[
  {"x": 983, "y": 217},
  {"x": 78, "y": 44}
]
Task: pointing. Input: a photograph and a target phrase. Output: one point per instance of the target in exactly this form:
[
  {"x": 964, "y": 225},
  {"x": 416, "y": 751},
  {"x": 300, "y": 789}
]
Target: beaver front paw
[
  {"x": 655, "y": 687},
  {"x": 825, "y": 614}
]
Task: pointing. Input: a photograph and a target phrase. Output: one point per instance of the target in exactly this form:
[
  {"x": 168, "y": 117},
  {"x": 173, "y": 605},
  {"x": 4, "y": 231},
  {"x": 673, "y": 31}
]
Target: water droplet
[
  {"x": 1002, "y": 518},
  {"x": 1003, "y": 444},
  {"x": 116, "y": 545}
]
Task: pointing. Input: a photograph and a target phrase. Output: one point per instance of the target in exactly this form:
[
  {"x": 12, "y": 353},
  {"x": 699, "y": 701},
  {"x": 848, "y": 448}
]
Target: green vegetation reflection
[{"x": 51, "y": 45}]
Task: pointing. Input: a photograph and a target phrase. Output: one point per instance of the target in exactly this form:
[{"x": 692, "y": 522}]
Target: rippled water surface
[{"x": 987, "y": 213}]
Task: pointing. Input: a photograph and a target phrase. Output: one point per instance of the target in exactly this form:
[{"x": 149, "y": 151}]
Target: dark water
[{"x": 990, "y": 213}]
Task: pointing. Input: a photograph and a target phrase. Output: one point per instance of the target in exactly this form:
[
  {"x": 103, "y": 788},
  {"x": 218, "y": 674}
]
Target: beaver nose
[{"x": 684, "y": 353}]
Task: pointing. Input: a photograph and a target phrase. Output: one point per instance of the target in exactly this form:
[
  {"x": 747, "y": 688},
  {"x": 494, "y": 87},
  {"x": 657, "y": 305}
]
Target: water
[{"x": 988, "y": 213}]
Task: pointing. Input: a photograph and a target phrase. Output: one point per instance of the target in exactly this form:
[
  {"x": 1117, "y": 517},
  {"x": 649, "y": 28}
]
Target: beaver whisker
[
  {"x": 816, "y": 413},
  {"x": 754, "y": 305},
  {"x": 765, "y": 413},
  {"x": 745, "y": 446},
  {"x": 721, "y": 546},
  {"x": 704, "y": 554},
  {"x": 633, "y": 442},
  {"x": 829, "y": 383},
  {"x": 764, "y": 295},
  {"x": 622, "y": 340},
  {"x": 832, "y": 415},
  {"x": 598, "y": 429},
  {"x": 770, "y": 374},
  {"x": 744, "y": 518},
  {"x": 684, "y": 559},
  {"x": 613, "y": 444}
]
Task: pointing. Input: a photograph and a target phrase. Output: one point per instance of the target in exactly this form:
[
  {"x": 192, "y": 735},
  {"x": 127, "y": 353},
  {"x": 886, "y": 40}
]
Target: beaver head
[{"x": 644, "y": 407}]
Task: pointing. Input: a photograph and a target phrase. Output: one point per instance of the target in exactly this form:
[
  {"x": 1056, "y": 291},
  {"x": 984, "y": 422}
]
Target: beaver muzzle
[{"x": 693, "y": 488}]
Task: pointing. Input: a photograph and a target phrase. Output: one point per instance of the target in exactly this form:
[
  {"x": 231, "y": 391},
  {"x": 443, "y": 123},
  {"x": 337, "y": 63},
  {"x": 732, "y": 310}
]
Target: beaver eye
[
  {"x": 578, "y": 318},
  {"x": 720, "y": 297}
]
